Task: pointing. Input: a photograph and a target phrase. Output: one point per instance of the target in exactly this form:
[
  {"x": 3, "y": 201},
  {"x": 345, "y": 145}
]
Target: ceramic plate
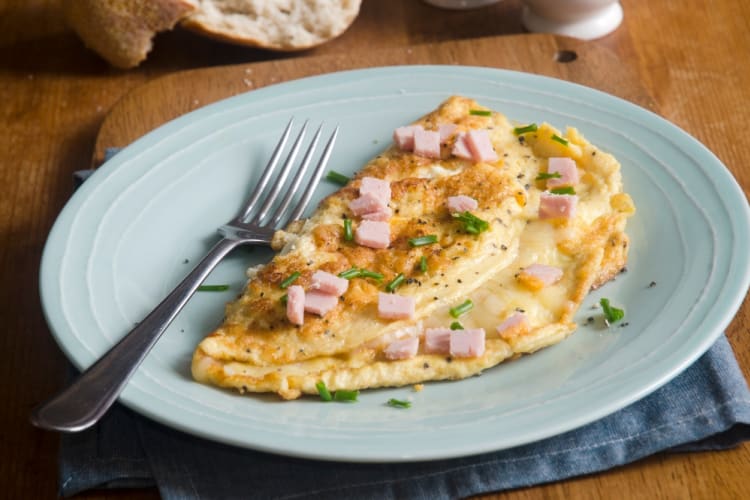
[{"x": 133, "y": 229}]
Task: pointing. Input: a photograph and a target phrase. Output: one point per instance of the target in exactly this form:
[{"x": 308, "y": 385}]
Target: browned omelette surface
[{"x": 257, "y": 349}]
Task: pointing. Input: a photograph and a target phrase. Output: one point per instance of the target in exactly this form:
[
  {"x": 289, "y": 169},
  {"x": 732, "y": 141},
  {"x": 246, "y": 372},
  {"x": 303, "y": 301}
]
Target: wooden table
[{"x": 691, "y": 57}]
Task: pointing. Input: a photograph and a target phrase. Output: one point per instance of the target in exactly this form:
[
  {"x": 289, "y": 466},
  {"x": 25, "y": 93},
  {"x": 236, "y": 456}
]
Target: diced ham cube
[
  {"x": 446, "y": 130},
  {"x": 366, "y": 204},
  {"x": 554, "y": 206},
  {"x": 378, "y": 188},
  {"x": 467, "y": 343},
  {"x": 548, "y": 275},
  {"x": 319, "y": 303},
  {"x": 402, "y": 349},
  {"x": 437, "y": 340},
  {"x": 478, "y": 142},
  {"x": 427, "y": 143},
  {"x": 373, "y": 234},
  {"x": 380, "y": 215},
  {"x": 295, "y": 304},
  {"x": 394, "y": 306},
  {"x": 567, "y": 169},
  {"x": 461, "y": 149},
  {"x": 329, "y": 283},
  {"x": 513, "y": 322},
  {"x": 404, "y": 137},
  {"x": 461, "y": 203}
]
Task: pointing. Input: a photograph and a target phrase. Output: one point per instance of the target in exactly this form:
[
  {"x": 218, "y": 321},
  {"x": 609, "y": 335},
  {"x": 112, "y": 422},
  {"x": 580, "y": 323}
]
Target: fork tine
[
  {"x": 297, "y": 180},
  {"x": 270, "y": 166},
  {"x": 317, "y": 174},
  {"x": 281, "y": 179}
]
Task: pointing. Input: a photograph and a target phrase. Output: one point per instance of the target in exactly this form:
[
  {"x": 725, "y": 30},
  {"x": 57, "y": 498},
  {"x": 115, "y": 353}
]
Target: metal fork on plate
[{"x": 84, "y": 402}]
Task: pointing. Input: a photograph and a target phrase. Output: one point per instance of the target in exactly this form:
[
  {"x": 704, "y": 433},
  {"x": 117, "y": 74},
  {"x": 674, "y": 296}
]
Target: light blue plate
[{"x": 122, "y": 241}]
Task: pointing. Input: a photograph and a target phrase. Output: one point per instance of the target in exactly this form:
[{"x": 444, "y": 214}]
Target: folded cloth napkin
[{"x": 707, "y": 407}]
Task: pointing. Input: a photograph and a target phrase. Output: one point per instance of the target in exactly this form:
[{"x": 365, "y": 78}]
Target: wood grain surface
[{"x": 687, "y": 59}]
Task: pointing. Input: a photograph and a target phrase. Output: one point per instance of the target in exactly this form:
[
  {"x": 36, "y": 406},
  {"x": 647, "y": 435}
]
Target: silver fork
[{"x": 84, "y": 402}]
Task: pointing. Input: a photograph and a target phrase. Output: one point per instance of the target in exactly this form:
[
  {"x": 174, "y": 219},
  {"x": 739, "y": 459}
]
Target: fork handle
[{"x": 84, "y": 402}]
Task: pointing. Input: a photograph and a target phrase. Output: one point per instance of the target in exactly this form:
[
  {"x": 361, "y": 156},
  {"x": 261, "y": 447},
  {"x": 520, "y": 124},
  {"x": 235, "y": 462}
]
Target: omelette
[{"x": 470, "y": 241}]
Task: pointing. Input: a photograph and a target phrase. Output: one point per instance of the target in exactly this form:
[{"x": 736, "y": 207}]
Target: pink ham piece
[
  {"x": 318, "y": 302},
  {"x": 567, "y": 169},
  {"x": 478, "y": 142},
  {"x": 437, "y": 340},
  {"x": 555, "y": 206},
  {"x": 446, "y": 130},
  {"x": 393, "y": 306},
  {"x": 548, "y": 275},
  {"x": 461, "y": 203},
  {"x": 367, "y": 204},
  {"x": 467, "y": 343},
  {"x": 373, "y": 234},
  {"x": 460, "y": 148},
  {"x": 329, "y": 283},
  {"x": 379, "y": 215},
  {"x": 402, "y": 349},
  {"x": 378, "y": 188},
  {"x": 513, "y": 321},
  {"x": 427, "y": 143},
  {"x": 404, "y": 137},
  {"x": 295, "y": 304}
]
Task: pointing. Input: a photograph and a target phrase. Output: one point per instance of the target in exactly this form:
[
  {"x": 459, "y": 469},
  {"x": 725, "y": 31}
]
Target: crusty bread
[
  {"x": 121, "y": 30},
  {"x": 273, "y": 24}
]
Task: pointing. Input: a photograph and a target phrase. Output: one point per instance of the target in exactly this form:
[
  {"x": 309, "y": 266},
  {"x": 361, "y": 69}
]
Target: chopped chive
[
  {"x": 343, "y": 395},
  {"x": 547, "y": 175},
  {"x": 350, "y": 273},
  {"x": 457, "y": 326},
  {"x": 611, "y": 314},
  {"x": 337, "y": 178},
  {"x": 284, "y": 298},
  {"x": 423, "y": 264},
  {"x": 480, "y": 112},
  {"x": 364, "y": 273},
  {"x": 563, "y": 190},
  {"x": 462, "y": 309},
  {"x": 559, "y": 139},
  {"x": 348, "y": 233},
  {"x": 291, "y": 279},
  {"x": 213, "y": 288},
  {"x": 325, "y": 395},
  {"x": 472, "y": 223},
  {"x": 398, "y": 403},
  {"x": 423, "y": 240},
  {"x": 390, "y": 287},
  {"x": 523, "y": 130}
]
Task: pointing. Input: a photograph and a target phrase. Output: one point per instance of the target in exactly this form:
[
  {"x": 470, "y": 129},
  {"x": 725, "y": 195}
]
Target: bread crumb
[{"x": 418, "y": 387}]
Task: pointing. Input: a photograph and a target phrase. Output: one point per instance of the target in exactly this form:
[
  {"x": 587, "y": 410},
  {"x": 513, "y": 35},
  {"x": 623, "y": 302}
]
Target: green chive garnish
[
  {"x": 390, "y": 287},
  {"x": 336, "y": 177},
  {"x": 480, "y": 112},
  {"x": 213, "y": 288},
  {"x": 563, "y": 190},
  {"x": 472, "y": 223},
  {"x": 291, "y": 279},
  {"x": 559, "y": 139},
  {"x": 364, "y": 273},
  {"x": 547, "y": 175},
  {"x": 348, "y": 233},
  {"x": 347, "y": 396},
  {"x": 612, "y": 314},
  {"x": 423, "y": 264},
  {"x": 462, "y": 309},
  {"x": 457, "y": 326},
  {"x": 423, "y": 240},
  {"x": 350, "y": 273},
  {"x": 284, "y": 298},
  {"x": 398, "y": 403},
  {"x": 523, "y": 130},
  {"x": 325, "y": 395}
]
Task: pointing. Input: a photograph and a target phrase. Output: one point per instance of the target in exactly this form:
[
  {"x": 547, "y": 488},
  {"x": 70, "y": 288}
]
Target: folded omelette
[{"x": 491, "y": 228}]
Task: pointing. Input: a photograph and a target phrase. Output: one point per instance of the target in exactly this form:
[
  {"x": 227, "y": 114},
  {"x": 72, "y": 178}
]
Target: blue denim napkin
[{"x": 707, "y": 407}]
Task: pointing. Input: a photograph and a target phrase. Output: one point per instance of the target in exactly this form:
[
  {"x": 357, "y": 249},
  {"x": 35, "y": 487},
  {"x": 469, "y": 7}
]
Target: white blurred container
[{"x": 584, "y": 19}]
